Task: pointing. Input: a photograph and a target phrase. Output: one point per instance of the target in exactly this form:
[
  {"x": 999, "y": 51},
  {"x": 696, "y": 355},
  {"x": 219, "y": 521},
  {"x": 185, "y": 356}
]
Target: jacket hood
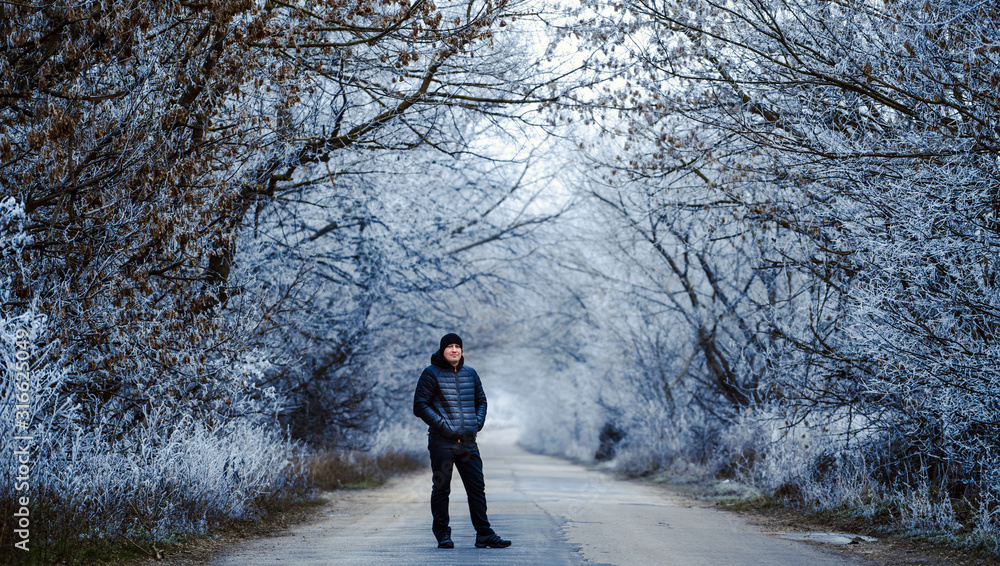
[{"x": 437, "y": 359}]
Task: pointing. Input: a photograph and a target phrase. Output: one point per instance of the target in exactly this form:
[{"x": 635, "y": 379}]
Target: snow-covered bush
[
  {"x": 93, "y": 479},
  {"x": 167, "y": 478}
]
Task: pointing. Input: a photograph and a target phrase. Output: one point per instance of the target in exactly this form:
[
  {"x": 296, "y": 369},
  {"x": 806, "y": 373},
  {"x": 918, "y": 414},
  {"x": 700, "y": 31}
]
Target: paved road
[{"x": 555, "y": 513}]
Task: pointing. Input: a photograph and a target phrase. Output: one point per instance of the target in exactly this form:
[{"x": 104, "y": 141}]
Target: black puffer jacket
[{"x": 450, "y": 400}]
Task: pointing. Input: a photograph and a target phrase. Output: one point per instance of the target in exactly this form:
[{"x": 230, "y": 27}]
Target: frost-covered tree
[
  {"x": 853, "y": 145},
  {"x": 378, "y": 264},
  {"x": 154, "y": 148}
]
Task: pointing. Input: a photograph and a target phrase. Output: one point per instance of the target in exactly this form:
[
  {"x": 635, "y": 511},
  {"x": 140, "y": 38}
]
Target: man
[{"x": 450, "y": 399}]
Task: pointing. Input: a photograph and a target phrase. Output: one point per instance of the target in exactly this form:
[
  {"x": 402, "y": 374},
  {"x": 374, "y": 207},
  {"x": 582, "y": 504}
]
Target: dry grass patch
[{"x": 333, "y": 469}]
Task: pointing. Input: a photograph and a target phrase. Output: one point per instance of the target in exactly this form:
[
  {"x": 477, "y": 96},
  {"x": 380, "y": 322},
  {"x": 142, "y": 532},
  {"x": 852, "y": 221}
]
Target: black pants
[{"x": 445, "y": 456}]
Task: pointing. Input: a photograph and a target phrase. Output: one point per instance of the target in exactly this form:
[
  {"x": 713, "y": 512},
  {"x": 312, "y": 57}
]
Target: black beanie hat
[{"x": 449, "y": 339}]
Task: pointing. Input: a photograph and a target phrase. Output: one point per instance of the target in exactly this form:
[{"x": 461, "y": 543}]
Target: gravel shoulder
[{"x": 864, "y": 541}]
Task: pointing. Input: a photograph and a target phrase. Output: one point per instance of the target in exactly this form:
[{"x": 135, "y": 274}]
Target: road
[{"x": 556, "y": 513}]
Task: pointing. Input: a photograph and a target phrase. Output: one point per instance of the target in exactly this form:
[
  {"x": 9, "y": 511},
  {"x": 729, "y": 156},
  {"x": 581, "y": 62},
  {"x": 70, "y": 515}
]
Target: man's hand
[{"x": 448, "y": 434}]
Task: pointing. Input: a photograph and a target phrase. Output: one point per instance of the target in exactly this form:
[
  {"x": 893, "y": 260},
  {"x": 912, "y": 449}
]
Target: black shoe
[
  {"x": 446, "y": 542},
  {"x": 492, "y": 541}
]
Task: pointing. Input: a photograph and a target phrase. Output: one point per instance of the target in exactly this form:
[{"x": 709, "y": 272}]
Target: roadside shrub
[{"x": 94, "y": 484}]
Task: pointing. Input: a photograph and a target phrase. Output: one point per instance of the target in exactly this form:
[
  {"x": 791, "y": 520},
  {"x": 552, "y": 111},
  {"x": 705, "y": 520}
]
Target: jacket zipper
[{"x": 461, "y": 411}]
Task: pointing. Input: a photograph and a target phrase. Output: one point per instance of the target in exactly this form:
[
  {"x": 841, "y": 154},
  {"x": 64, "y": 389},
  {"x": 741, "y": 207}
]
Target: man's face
[{"x": 452, "y": 354}]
